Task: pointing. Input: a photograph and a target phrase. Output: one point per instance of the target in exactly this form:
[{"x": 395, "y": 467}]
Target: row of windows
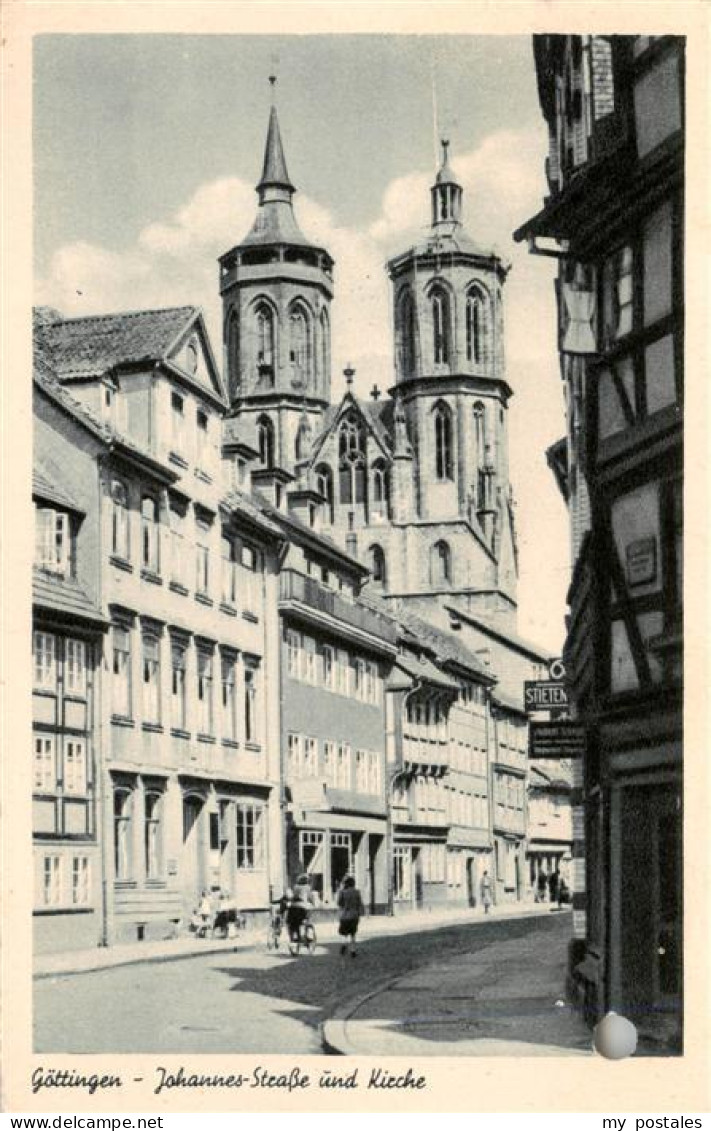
[
  {"x": 56, "y": 660},
  {"x": 205, "y": 453},
  {"x": 331, "y": 668},
  {"x": 141, "y": 850},
  {"x": 201, "y": 667},
  {"x": 464, "y": 756},
  {"x": 240, "y": 563},
  {"x": 509, "y": 791},
  {"x": 335, "y": 765},
  {"x": 301, "y": 333},
  {"x": 426, "y": 720},
  {"x": 66, "y": 881},
  {"x": 477, "y": 327}
]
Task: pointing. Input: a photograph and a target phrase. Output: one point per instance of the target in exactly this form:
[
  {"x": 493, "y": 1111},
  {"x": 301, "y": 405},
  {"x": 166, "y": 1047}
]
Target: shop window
[
  {"x": 341, "y": 858},
  {"x": 402, "y": 872},
  {"x": 250, "y": 836},
  {"x": 311, "y": 855}
]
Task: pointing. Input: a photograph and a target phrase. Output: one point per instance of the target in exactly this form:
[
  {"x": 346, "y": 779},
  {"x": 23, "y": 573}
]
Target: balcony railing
[{"x": 295, "y": 586}]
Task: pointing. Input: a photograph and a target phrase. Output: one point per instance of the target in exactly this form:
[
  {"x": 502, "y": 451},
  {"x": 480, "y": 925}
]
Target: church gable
[{"x": 377, "y": 438}]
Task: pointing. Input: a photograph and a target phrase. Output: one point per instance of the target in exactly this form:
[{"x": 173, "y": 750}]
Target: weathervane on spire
[
  {"x": 445, "y": 147},
  {"x": 349, "y": 374}
]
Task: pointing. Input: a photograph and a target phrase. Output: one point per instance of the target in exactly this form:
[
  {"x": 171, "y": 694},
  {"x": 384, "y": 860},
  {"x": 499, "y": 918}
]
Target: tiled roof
[
  {"x": 290, "y": 522},
  {"x": 252, "y": 508},
  {"x": 504, "y": 634},
  {"x": 509, "y": 702},
  {"x": 90, "y": 346},
  {"x": 445, "y": 646},
  {"x": 423, "y": 669},
  {"x": 46, "y": 487},
  {"x": 62, "y": 595}
]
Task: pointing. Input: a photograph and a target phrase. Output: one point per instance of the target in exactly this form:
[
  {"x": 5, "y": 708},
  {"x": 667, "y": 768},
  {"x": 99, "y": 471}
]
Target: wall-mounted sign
[
  {"x": 642, "y": 561},
  {"x": 560, "y": 739},
  {"x": 556, "y": 670},
  {"x": 544, "y": 695}
]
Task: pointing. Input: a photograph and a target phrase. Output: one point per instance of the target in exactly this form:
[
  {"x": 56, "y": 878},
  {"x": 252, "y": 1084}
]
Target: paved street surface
[{"x": 456, "y": 985}]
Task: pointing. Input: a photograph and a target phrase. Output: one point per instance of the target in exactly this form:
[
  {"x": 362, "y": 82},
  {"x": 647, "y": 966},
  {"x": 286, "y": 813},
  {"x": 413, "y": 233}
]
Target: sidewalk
[
  {"x": 502, "y": 1000},
  {"x": 165, "y": 950}
]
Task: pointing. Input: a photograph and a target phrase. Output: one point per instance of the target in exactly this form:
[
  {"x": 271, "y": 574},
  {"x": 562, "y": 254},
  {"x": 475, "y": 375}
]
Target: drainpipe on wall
[{"x": 102, "y": 798}]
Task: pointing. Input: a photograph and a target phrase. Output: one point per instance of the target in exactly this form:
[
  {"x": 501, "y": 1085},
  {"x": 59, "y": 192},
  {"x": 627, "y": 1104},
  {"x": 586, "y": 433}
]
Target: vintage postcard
[{"x": 347, "y": 678}]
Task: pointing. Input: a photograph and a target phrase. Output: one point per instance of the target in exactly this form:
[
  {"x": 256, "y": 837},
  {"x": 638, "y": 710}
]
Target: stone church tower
[{"x": 276, "y": 290}]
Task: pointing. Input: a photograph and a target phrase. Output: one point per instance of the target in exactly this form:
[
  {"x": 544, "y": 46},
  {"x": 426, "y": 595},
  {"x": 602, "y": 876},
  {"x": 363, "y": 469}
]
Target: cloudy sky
[{"x": 147, "y": 150}]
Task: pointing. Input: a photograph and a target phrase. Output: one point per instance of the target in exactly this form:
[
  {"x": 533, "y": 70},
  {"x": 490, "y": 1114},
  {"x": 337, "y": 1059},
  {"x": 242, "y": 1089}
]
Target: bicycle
[{"x": 306, "y": 937}]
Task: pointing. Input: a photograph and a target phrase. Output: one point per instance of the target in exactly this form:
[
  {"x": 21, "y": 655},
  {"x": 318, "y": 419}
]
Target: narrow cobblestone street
[{"x": 456, "y": 985}]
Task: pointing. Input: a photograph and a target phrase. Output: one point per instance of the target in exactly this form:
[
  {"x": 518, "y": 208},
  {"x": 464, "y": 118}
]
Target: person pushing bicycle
[{"x": 299, "y": 909}]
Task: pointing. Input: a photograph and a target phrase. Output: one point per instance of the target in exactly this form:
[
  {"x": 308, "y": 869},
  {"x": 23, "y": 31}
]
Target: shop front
[{"x": 329, "y": 846}]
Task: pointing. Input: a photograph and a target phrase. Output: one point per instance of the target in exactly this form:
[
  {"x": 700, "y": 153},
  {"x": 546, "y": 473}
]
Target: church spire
[
  {"x": 446, "y": 193},
  {"x": 274, "y": 171}
]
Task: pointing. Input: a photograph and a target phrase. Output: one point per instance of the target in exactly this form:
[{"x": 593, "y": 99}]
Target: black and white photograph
[{"x": 357, "y": 595}]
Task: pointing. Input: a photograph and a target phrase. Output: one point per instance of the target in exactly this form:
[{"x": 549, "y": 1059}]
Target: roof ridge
[{"x": 128, "y": 314}]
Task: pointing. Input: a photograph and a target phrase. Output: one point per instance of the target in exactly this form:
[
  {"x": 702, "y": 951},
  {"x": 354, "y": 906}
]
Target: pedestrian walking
[
  {"x": 541, "y": 886},
  {"x": 553, "y": 881},
  {"x": 350, "y": 909},
  {"x": 485, "y": 889}
]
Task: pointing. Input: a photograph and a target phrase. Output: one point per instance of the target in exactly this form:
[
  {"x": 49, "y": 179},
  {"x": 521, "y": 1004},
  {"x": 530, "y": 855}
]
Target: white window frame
[
  {"x": 74, "y": 667},
  {"x": 120, "y": 520},
  {"x": 52, "y": 541},
  {"x": 44, "y": 764},
  {"x": 178, "y": 685},
  {"x": 150, "y": 533},
  {"x": 250, "y": 836},
  {"x": 74, "y": 769},
  {"x": 293, "y": 653},
  {"x": 81, "y": 880},
  {"x": 52, "y": 879},
  {"x": 121, "y": 673},
  {"x": 45, "y": 661},
  {"x": 151, "y": 686},
  {"x": 252, "y": 720},
  {"x": 205, "y": 690},
  {"x": 228, "y": 681}
]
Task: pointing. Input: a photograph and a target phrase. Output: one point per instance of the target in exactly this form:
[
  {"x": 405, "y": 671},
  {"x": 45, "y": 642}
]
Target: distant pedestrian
[
  {"x": 553, "y": 881},
  {"x": 350, "y": 909},
  {"x": 563, "y": 893},
  {"x": 541, "y": 887},
  {"x": 485, "y": 889}
]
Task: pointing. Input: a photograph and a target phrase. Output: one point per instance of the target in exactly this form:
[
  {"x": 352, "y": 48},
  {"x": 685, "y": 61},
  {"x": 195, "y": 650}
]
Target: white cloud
[{"x": 174, "y": 261}]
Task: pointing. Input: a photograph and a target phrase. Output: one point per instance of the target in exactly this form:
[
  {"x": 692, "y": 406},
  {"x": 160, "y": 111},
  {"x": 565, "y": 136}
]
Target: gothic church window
[
  {"x": 376, "y": 564},
  {"x": 299, "y": 347},
  {"x": 406, "y": 333},
  {"x": 443, "y": 442},
  {"x": 441, "y": 564},
  {"x": 233, "y": 349},
  {"x": 264, "y": 320},
  {"x": 265, "y": 441},
  {"x": 476, "y": 326},
  {"x": 351, "y": 462},
  {"x": 325, "y": 349},
  {"x": 324, "y": 486},
  {"x": 380, "y": 489},
  {"x": 441, "y": 329}
]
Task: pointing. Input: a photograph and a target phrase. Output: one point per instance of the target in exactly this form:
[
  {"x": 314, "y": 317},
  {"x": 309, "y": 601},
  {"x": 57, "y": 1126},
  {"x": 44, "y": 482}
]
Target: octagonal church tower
[
  {"x": 450, "y": 387},
  {"x": 276, "y": 289}
]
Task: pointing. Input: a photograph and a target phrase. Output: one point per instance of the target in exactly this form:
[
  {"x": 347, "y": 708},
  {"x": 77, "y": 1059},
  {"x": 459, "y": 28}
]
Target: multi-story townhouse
[
  {"x": 613, "y": 217},
  {"x": 549, "y": 828},
  {"x": 440, "y": 770},
  {"x": 509, "y": 766},
  {"x": 68, "y": 627},
  {"x": 335, "y": 654},
  {"x": 188, "y": 581}
]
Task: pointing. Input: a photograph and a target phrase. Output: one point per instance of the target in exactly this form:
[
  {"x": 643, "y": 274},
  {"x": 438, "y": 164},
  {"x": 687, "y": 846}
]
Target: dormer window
[
  {"x": 191, "y": 356},
  {"x": 52, "y": 541}
]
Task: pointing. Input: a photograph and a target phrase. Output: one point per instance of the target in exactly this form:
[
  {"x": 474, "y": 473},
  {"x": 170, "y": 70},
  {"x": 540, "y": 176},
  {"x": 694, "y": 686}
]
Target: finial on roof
[
  {"x": 349, "y": 374},
  {"x": 445, "y": 147},
  {"x": 375, "y": 392}
]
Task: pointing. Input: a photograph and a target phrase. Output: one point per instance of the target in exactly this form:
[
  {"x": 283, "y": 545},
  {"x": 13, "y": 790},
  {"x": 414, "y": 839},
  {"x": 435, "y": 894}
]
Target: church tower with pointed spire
[{"x": 276, "y": 289}]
